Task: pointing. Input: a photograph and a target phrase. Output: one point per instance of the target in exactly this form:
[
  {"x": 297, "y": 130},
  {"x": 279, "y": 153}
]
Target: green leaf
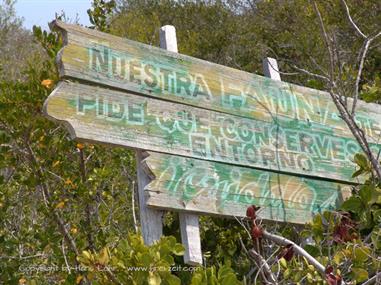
[
  {"x": 197, "y": 279},
  {"x": 172, "y": 280},
  {"x": 154, "y": 279},
  {"x": 360, "y": 274},
  {"x": 361, "y": 160},
  {"x": 361, "y": 254},
  {"x": 376, "y": 216},
  {"x": 283, "y": 263},
  {"x": 358, "y": 173},
  {"x": 229, "y": 279},
  {"x": 313, "y": 250},
  {"x": 367, "y": 192},
  {"x": 353, "y": 204},
  {"x": 178, "y": 249},
  {"x": 376, "y": 238},
  {"x": 337, "y": 258}
]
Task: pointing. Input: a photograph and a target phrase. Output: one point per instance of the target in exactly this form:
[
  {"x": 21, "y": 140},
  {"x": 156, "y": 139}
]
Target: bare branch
[
  {"x": 351, "y": 20},
  {"x": 311, "y": 73},
  {"x": 133, "y": 206},
  {"x": 358, "y": 77},
  {"x": 376, "y": 36},
  {"x": 283, "y": 241},
  {"x": 327, "y": 41},
  {"x": 41, "y": 255},
  {"x": 264, "y": 267},
  {"x": 88, "y": 208},
  {"x": 64, "y": 255}
]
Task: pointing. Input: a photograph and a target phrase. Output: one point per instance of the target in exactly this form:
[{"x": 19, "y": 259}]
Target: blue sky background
[{"x": 40, "y": 12}]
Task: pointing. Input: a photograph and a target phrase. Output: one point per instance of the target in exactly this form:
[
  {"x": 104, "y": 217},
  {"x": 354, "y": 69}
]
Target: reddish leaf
[
  {"x": 330, "y": 277},
  {"x": 343, "y": 231},
  {"x": 329, "y": 269},
  {"x": 251, "y": 211},
  {"x": 287, "y": 252},
  {"x": 333, "y": 279},
  {"x": 256, "y": 232}
]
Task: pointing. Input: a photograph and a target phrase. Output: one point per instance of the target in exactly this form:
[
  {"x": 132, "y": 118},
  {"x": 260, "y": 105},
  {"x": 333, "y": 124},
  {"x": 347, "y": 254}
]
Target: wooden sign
[
  {"x": 114, "y": 117},
  {"x": 187, "y": 184},
  {"x": 225, "y": 138},
  {"x": 241, "y": 118}
]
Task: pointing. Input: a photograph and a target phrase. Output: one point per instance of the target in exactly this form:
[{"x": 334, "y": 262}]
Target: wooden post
[
  {"x": 271, "y": 69},
  {"x": 189, "y": 225},
  {"x": 150, "y": 219}
]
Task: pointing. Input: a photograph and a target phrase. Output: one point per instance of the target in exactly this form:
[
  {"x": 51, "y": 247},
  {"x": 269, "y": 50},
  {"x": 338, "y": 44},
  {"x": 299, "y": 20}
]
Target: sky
[{"x": 40, "y": 12}]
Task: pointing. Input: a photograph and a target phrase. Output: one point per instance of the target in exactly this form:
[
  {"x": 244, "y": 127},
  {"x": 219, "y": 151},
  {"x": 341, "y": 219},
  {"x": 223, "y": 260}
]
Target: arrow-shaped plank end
[{"x": 52, "y": 109}]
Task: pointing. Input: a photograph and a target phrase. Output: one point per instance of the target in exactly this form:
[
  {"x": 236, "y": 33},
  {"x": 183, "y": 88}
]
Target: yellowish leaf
[
  {"x": 47, "y": 83},
  {"x": 80, "y": 146},
  {"x": 86, "y": 254},
  {"x": 104, "y": 256},
  {"x": 60, "y": 205},
  {"x": 78, "y": 279}
]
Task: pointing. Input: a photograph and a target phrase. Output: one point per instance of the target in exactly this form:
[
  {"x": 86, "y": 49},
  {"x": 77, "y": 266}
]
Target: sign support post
[
  {"x": 189, "y": 224},
  {"x": 271, "y": 69},
  {"x": 150, "y": 219}
]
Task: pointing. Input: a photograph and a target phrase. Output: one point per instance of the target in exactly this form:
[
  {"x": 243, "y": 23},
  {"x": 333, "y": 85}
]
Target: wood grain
[
  {"x": 189, "y": 224},
  {"x": 117, "y": 62},
  {"x": 205, "y": 187},
  {"x": 119, "y": 118}
]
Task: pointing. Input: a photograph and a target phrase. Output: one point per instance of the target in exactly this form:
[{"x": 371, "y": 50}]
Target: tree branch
[
  {"x": 88, "y": 210},
  {"x": 300, "y": 251},
  {"x": 327, "y": 41},
  {"x": 358, "y": 77},
  {"x": 311, "y": 73},
  {"x": 268, "y": 276},
  {"x": 351, "y": 20}
]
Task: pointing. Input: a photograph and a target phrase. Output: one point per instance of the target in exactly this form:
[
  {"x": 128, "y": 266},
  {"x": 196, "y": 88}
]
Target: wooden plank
[
  {"x": 113, "y": 61},
  {"x": 119, "y": 118},
  {"x": 168, "y": 39},
  {"x": 189, "y": 225},
  {"x": 205, "y": 187},
  {"x": 150, "y": 219}
]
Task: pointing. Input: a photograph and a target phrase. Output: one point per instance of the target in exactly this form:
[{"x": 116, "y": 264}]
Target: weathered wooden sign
[
  {"x": 115, "y": 117},
  {"x": 237, "y": 117},
  {"x": 226, "y": 138},
  {"x": 188, "y": 184}
]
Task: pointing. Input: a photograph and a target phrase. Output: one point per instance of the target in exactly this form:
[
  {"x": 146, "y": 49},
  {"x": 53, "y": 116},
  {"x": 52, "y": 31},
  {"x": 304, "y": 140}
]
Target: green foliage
[
  {"x": 365, "y": 204},
  {"x": 55, "y": 192},
  {"x": 372, "y": 91},
  {"x": 100, "y": 14},
  {"x": 132, "y": 262},
  {"x": 363, "y": 164},
  {"x": 52, "y": 190},
  {"x": 212, "y": 276},
  {"x": 206, "y": 30},
  {"x": 51, "y": 42}
]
